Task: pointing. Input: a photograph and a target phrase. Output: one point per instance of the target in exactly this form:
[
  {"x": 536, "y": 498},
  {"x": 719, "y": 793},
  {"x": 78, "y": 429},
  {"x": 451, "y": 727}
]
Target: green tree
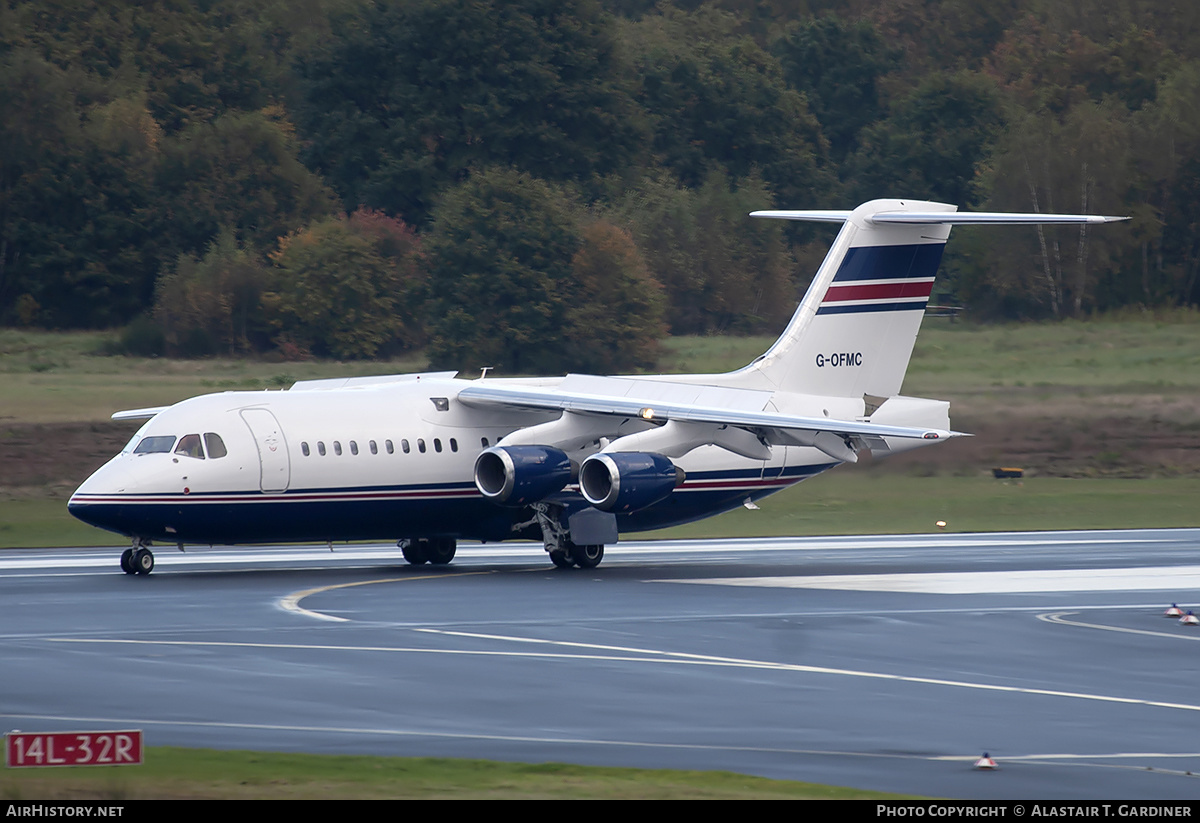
[
  {"x": 347, "y": 287},
  {"x": 723, "y": 272},
  {"x": 718, "y": 100},
  {"x": 500, "y": 252},
  {"x": 408, "y": 98},
  {"x": 79, "y": 230},
  {"x": 615, "y": 319},
  {"x": 240, "y": 171},
  {"x": 213, "y": 303},
  {"x": 837, "y": 65},
  {"x": 932, "y": 143}
]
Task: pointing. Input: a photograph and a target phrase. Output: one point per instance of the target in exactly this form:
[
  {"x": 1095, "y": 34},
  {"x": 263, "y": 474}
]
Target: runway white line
[
  {"x": 622, "y": 654},
  {"x": 698, "y": 661},
  {"x": 1145, "y": 578}
]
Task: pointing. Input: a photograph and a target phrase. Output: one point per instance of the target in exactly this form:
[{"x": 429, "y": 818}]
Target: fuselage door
[{"x": 274, "y": 464}]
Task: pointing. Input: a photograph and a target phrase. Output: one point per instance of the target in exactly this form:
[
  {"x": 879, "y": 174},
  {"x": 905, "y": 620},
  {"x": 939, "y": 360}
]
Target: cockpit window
[
  {"x": 189, "y": 445},
  {"x": 155, "y": 445},
  {"x": 216, "y": 446}
]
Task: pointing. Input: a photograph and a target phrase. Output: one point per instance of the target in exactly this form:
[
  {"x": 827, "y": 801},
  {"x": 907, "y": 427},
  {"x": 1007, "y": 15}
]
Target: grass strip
[{"x": 178, "y": 774}]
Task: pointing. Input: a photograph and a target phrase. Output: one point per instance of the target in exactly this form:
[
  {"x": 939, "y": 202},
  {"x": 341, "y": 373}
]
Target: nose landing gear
[{"x": 138, "y": 559}]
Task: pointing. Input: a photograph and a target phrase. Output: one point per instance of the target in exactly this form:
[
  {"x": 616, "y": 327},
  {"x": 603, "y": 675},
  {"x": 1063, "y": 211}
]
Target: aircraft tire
[
  {"x": 127, "y": 561},
  {"x": 414, "y": 551},
  {"x": 143, "y": 561},
  {"x": 561, "y": 559},
  {"x": 440, "y": 550},
  {"x": 587, "y": 557}
]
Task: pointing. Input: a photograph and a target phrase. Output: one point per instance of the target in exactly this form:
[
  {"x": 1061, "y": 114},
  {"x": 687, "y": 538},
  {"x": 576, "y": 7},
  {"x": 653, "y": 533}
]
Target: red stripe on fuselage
[{"x": 878, "y": 291}]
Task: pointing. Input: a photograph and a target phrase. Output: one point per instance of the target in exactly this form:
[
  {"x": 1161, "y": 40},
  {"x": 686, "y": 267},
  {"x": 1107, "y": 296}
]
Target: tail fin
[{"x": 854, "y": 331}]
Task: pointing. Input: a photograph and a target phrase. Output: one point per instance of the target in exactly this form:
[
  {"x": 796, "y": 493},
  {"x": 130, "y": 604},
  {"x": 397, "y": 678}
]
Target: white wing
[{"x": 683, "y": 426}]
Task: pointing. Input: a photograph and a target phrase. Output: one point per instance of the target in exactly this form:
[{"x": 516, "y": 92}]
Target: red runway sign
[{"x": 32, "y": 749}]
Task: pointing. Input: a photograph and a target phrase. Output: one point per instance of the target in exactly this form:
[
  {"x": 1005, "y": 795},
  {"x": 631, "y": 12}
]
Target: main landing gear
[
  {"x": 138, "y": 559},
  {"x": 436, "y": 550},
  {"x": 585, "y": 557},
  {"x": 564, "y": 553}
]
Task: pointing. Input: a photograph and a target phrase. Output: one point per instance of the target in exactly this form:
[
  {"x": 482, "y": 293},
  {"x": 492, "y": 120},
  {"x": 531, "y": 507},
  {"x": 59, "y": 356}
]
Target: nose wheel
[{"x": 137, "y": 560}]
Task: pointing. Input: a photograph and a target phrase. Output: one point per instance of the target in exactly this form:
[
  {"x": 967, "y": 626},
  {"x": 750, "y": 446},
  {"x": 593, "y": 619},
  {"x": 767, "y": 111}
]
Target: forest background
[{"x": 542, "y": 185}]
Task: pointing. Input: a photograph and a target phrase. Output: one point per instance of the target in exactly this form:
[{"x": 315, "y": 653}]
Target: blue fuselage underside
[{"x": 390, "y": 513}]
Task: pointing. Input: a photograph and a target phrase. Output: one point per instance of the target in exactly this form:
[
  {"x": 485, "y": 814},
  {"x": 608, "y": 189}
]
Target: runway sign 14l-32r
[{"x": 33, "y": 749}]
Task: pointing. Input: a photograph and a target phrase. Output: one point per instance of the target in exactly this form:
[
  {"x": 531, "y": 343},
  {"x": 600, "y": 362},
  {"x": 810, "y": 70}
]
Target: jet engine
[
  {"x": 518, "y": 475},
  {"x": 627, "y": 481}
]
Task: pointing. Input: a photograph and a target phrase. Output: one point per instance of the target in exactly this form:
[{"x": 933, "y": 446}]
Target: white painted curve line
[
  {"x": 1061, "y": 619},
  {"x": 291, "y": 602}
]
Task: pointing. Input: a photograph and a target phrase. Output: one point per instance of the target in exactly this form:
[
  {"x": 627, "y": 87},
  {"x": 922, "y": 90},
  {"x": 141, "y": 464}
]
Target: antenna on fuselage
[{"x": 483, "y": 372}]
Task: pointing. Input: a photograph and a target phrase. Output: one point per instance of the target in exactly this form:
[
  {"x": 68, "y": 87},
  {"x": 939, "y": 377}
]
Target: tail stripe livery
[
  {"x": 883, "y": 278},
  {"x": 890, "y": 262}
]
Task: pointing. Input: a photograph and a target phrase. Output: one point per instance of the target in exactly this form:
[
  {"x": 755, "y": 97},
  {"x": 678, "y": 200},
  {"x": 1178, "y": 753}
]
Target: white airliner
[{"x": 429, "y": 459}]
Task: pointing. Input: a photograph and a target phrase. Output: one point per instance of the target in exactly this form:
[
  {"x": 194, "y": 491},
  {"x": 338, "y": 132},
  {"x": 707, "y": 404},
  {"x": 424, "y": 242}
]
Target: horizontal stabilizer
[
  {"x": 980, "y": 218},
  {"x": 810, "y": 216}
]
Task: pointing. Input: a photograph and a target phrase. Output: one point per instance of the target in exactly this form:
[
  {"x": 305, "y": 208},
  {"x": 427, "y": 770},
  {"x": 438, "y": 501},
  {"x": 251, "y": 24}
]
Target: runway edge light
[
  {"x": 985, "y": 762},
  {"x": 1174, "y": 611},
  {"x": 1190, "y": 619}
]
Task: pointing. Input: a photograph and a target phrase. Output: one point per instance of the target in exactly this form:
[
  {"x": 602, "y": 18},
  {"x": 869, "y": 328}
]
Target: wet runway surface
[{"x": 886, "y": 663}]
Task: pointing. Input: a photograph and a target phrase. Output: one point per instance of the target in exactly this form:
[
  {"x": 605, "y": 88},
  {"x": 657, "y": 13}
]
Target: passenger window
[
  {"x": 483, "y": 442},
  {"x": 437, "y": 445},
  {"x": 453, "y": 445},
  {"x": 404, "y": 446},
  {"x": 189, "y": 445},
  {"x": 304, "y": 449},
  {"x": 216, "y": 446},
  {"x": 374, "y": 448},
  {"x": 337, "y": 447},
  {"x": 155, "y": 445},
  {"x": 420, "y": 445},
  {"x": 321, "y": 447},
  {"x": 353, "y": 447},
  {"x": 387, "y": 444}
]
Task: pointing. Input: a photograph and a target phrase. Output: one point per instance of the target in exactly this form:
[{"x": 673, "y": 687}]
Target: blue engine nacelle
[
  {"x": 518, "y": 475},
  {"x": 627, "y": 481}
]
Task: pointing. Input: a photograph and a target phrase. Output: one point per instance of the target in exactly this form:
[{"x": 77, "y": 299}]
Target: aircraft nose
[
  {"x": 94, "y": 504},
  {"x": 93, "y": 513}
]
